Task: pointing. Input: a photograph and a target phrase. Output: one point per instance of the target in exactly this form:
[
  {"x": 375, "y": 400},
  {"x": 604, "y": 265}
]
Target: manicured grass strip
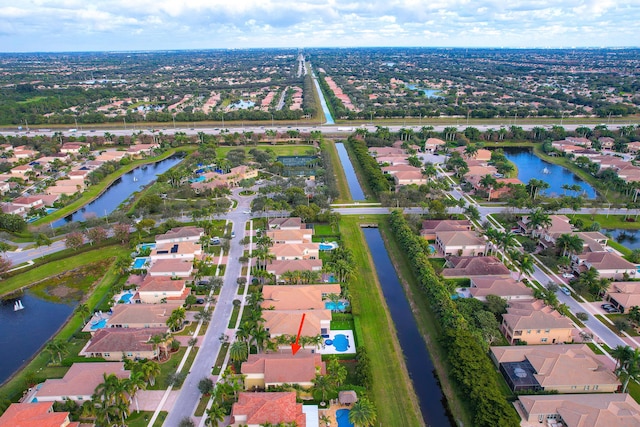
[
  {"x": 220, "y": 359},
  {"x": 52, "y": 268},
  {"x": 234, "y": 317},
  {"x": 142, "y": 418},
  {"x": 202, "y": 405},
  {"x": 391, "y": 388},
  {"x": 279, "y": 150},
  {"x": 94, "y": 191},
  {"x": 428, "y": 327},
  {"x": 341, "y": 179}
]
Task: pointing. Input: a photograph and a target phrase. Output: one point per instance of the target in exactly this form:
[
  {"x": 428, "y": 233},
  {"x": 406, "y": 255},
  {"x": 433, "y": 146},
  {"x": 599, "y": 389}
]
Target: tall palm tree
[
  {"x": 363, "y": 413},
  {"x": 149, "y": 370},
  {"x": 239, "y": 351},
  {"x": 133, "y": 384},
  {"x": 629, "y": 369},
  {"x": 322, "y": 385},
  {"x": 506, "y": 240},
  {"x": 621, "y": 353},
  {"x": 539, "y": 218},
  {"x": 215, "y": 415},
  {"x": 57, "y": 348},
  {"x": 488, "y": 182},
  {"x": 84, "y": 311},
  {"x": 526, "y": 265},
  {"x": 570, "y": 243},
  {"x": 260, "y": 337}
]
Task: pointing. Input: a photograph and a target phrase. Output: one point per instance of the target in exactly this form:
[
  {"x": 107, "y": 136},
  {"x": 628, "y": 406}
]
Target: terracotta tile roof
[
  {"x": 585, "y": 410},
  {"x": 181, "y": 233},
  {"x": 460, "y": 238},
  {"x": 274, "y": 408},
  {"x": 481, "y": 286},
  {"x": 176, "y": 248},
  {"x": 302, "y": 235},
  {"x": 278, "y": 267},
  {"x": 282, "y": 223},
  {"x": 559, "y": 365},
  {"x": 161, "y": 284},
  {"x": 399, "y": 168},
  {"x": 287, "y": 322},
  {"x": 118, "y": 340},
  {"x": 34, "y": 415},
  {"x": 534, "y": 315},
  {"x": 466, "y": 266},
  {"x": 606, "y": 261},
  {"x": 171, "y": 265},
  {"x": 297, "y": 297},
  {"x": 286, "y": 368},
  {"x": 294, "y": 249},
  {"x": 81, "y": 379},
  {"x": 129, "y": 314}
]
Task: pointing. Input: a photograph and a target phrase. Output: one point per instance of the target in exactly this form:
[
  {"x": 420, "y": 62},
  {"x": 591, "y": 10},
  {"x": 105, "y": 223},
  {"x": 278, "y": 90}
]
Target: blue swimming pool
[
  {"x": 340, "y": 342},
  {"x": 342, "y": 416},
  {"x": 50, "y": 210},
  {"x": 198, "y": 179},
  {"x": 432, "y": 249},
  {"x": 99, "y": 325},
  {"x": 328, "y": 246},
  {"x": 145, "y": 246},
  {"x": 340, "y": 306},
  {"x": 140, "y": 262},
  {"x": 126, "y": 298}
]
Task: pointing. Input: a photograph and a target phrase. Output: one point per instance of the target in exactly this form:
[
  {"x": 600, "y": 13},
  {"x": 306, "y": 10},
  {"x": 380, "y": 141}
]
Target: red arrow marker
[{"x": 295, "y": 346}]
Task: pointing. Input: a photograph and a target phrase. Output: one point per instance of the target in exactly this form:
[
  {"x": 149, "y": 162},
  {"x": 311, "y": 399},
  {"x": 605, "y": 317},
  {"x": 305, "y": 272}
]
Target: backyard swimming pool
[
  {"x": 328, "y": 246},
  {"x": 140, "y": 262},
  {"x": 340, "y": 306},
  {"x": 126, "y": 297},
  {"x": 339, "y": 342},
  {"x": 342, "y": 416},
  {"x": 98, "y": 325},
  {"x": 145, "y": 246}
]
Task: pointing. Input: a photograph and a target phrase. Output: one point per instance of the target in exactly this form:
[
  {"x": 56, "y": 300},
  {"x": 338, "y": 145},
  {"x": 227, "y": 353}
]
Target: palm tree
[
  {"x": 260, "y": 337},
  {"x": 215, "y": 415},
  {"x": 239, "y": 351},
  {"x": 84, "y": 311},
  {"x": 149, "y": 370},
  {"x": 362, "y": 413},
  {"x": 539, "y": 218},
  {"x": 526, "y": 265},
  {"x": 506, "y": 240},
  {"x": 134, "y": 383},
  {"x": 492, "y": 235},
  {"x": 488, "y": 182},
  {"x": 571, "y": 243},
  {"x": 56, "y": 347},
  {"x": 176, "y": 319},
  {"x": 621, "y": 354},
  {"x": 629, "y": 369},
  {"x": 322, "y": 385}
]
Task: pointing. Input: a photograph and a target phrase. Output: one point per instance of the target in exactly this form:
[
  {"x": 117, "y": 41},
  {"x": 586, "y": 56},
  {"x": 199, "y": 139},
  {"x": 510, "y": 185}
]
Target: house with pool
[
  {"x": 116, "y": 344},
  {"x": 161, "y": 289},
  {"x": 35, "y": 415},
  {"x": 284, "y": 251},
  {"x": 468, "y": 266},
  {"x": 296, "y": 236},
  {"x": 298, "y": 297},
  {"x": 461, "y": 243},
  {"x": 180, "y": 234},
  {"x": 79, "y": 383},
  {"x": 504, "y": 287},
  {"x": 265, "y": 370},
  {"x": 533, "y": 322},
  {"x": 608, "y": 264},
  {"x": 289, "y": 223},
  {"x": 261, "y": 408},
  {"x": 177, "y": 250},
  {"x": 171, "y": 268},
  {"x": 141, "y": 315},
  {"x": 279, "y": 267}
]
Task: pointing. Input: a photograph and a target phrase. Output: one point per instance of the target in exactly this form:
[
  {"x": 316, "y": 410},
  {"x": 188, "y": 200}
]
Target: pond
[
  {"x": 628, "y": 238},
  {"x": 429, "y": 93},
  {"x": 23, "y": 332},
  {"x": 120, "y": 190},
  {"x": 352, "y": 179},
  {"x": 421, "y": 370},
  {"x": 531, "y": 166}
]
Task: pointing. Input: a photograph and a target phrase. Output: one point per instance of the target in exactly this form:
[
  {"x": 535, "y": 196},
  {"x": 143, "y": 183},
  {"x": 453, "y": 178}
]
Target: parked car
[
  {"x": 612, "y": 310},
  {"x": 568, "y": 275},
  {"x": 606, "y": 306},
  {"x": 233, "y": 234},
  {"x": 565, "y": 291}
]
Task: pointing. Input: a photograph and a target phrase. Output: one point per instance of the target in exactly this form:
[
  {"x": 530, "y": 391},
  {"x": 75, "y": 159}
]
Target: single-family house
[
  {"x": 141, "y": 315},
  {"x": 22, "y": 171},
  {"x": 179, "y": 250},
  {"x": 504, "y": 287},
  {"x": 278, "y": 267},
  {"x": 159, "y": 289},
  {"x": 585, "y": 142},
  {"x": 171, "y": 268},
  {"x": 288, "y": 223},
  {"x": 395, "y": 159},
  {"x": 297, "y": 297},
  {"x": 29, "y": 202},
  {"x": 79, "y": 382},
  {"x": 262, "y": 371},
  {"x": 565, "y": 146},
  {"x": 141, "y": 149},
  {"x": 180, "y": 234},
  {"x": 287, "y": 322},
  {"x": 392, "y": 170},
  {"x": 295, "y": 236},
  {"x": 606, "y": 142},
  {"x": 410, "y": 177},
  {"x": 114, "y": 344},
  {"x": 461, "y": 243},
  {"x": 386, "y": 151},
  {"x": 579, "y": 410},
  {"x": 624, "y": 295},
  {"x": 565, "y": 368},
  {"x": 35, "y": 415},
  {"x": 534, "y": 322},
  {"x": 72, "y": 147},
  {"x": 282, "y": 251},
  {"x": 608, "y": 264},
  {"x": 258, "y": 409},
  {"x": 79, "y": 174},
  {"x": 10, "y": 208},
  {"x": 433, "y": 144},
  {"x": 431, "y": 226},
  {"x": 469, "y": 266}
]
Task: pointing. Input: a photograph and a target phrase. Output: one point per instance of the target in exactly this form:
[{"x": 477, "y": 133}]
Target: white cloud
[{"x": 167, "y": 24}]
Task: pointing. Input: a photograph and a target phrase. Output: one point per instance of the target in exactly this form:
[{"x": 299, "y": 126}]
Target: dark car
[
  {"x": 200, "y": 301},
  {"x": 606, "y": 306}
]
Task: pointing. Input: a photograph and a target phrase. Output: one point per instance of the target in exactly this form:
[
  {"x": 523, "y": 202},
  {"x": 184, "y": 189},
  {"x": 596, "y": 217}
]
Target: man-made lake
[
  {"x": 120, "y": 191},
  {"x": 531, "y": 166},
  {"x": 419, "y": 365},
  {"x": 350, "y": 173},
  {"x": 628, "y": 238},
  {"x": 429, "y": 93},
  {"x": 23, "y": 332}
]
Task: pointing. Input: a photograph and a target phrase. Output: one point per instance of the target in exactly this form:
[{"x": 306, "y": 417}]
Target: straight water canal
[{"x": 419, "y": 365}]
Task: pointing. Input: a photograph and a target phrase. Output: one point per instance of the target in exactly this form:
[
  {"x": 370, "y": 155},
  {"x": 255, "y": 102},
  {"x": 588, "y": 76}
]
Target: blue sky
[{"x": 81, "y": 25}]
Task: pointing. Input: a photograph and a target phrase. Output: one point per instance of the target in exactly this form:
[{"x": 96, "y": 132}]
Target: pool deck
[
  {"x": 330, "y": 349},
  {"x": 331, "y": 412}
]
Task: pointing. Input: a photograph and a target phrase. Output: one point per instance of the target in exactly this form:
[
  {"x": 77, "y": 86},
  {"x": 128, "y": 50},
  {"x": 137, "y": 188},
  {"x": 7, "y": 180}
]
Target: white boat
[
  {"x": 18, "y": 306},
  {"x": 135, "y": 179},
  {"x": 546, "y": 171}
]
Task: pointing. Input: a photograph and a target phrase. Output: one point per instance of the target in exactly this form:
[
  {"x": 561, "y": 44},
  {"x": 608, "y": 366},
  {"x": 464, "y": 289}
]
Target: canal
[
  {"x": 421, "y": 370},
  {"x": 23, "y": 332},
  {"x": 120, "y": 190},
  {"x": 531, "y": 166},
  {"x": 350, "y": 173},
  {"x": 323, "y": 102}
]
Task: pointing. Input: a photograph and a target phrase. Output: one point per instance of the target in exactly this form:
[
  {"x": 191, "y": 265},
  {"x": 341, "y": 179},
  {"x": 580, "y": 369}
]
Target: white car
[
  {"x": 568, "y": 275},
  {"x": 565, "y": 291}
]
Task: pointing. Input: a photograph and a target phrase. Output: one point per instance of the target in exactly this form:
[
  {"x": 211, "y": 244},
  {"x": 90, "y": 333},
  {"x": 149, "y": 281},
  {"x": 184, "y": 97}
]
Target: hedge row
[
  {"x": 376, "y": 180},
  {"x": 468, "y": 362}
]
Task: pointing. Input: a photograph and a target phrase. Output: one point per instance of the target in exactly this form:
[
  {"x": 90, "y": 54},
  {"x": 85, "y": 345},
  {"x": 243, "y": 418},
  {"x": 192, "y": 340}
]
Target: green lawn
[
  {"x": 280, "y": 150},
  {"x": 167, "y": 368},
  {"x": 341, "y": 179},
  {"x": 608, "y": 221},
  {"x": 30, "y": 276},
  {"x": 142, "y": 418},
  {"x": 392, "y": 392},
  {"x": 220, "y": 359}
]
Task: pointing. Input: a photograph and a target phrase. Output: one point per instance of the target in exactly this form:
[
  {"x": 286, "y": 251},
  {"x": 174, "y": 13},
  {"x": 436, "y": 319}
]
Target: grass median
[{"x": 392, "y": 390}]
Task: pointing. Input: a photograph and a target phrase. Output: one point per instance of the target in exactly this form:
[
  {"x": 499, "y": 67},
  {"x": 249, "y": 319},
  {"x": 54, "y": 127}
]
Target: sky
[{"x": 116, "y": 25}]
